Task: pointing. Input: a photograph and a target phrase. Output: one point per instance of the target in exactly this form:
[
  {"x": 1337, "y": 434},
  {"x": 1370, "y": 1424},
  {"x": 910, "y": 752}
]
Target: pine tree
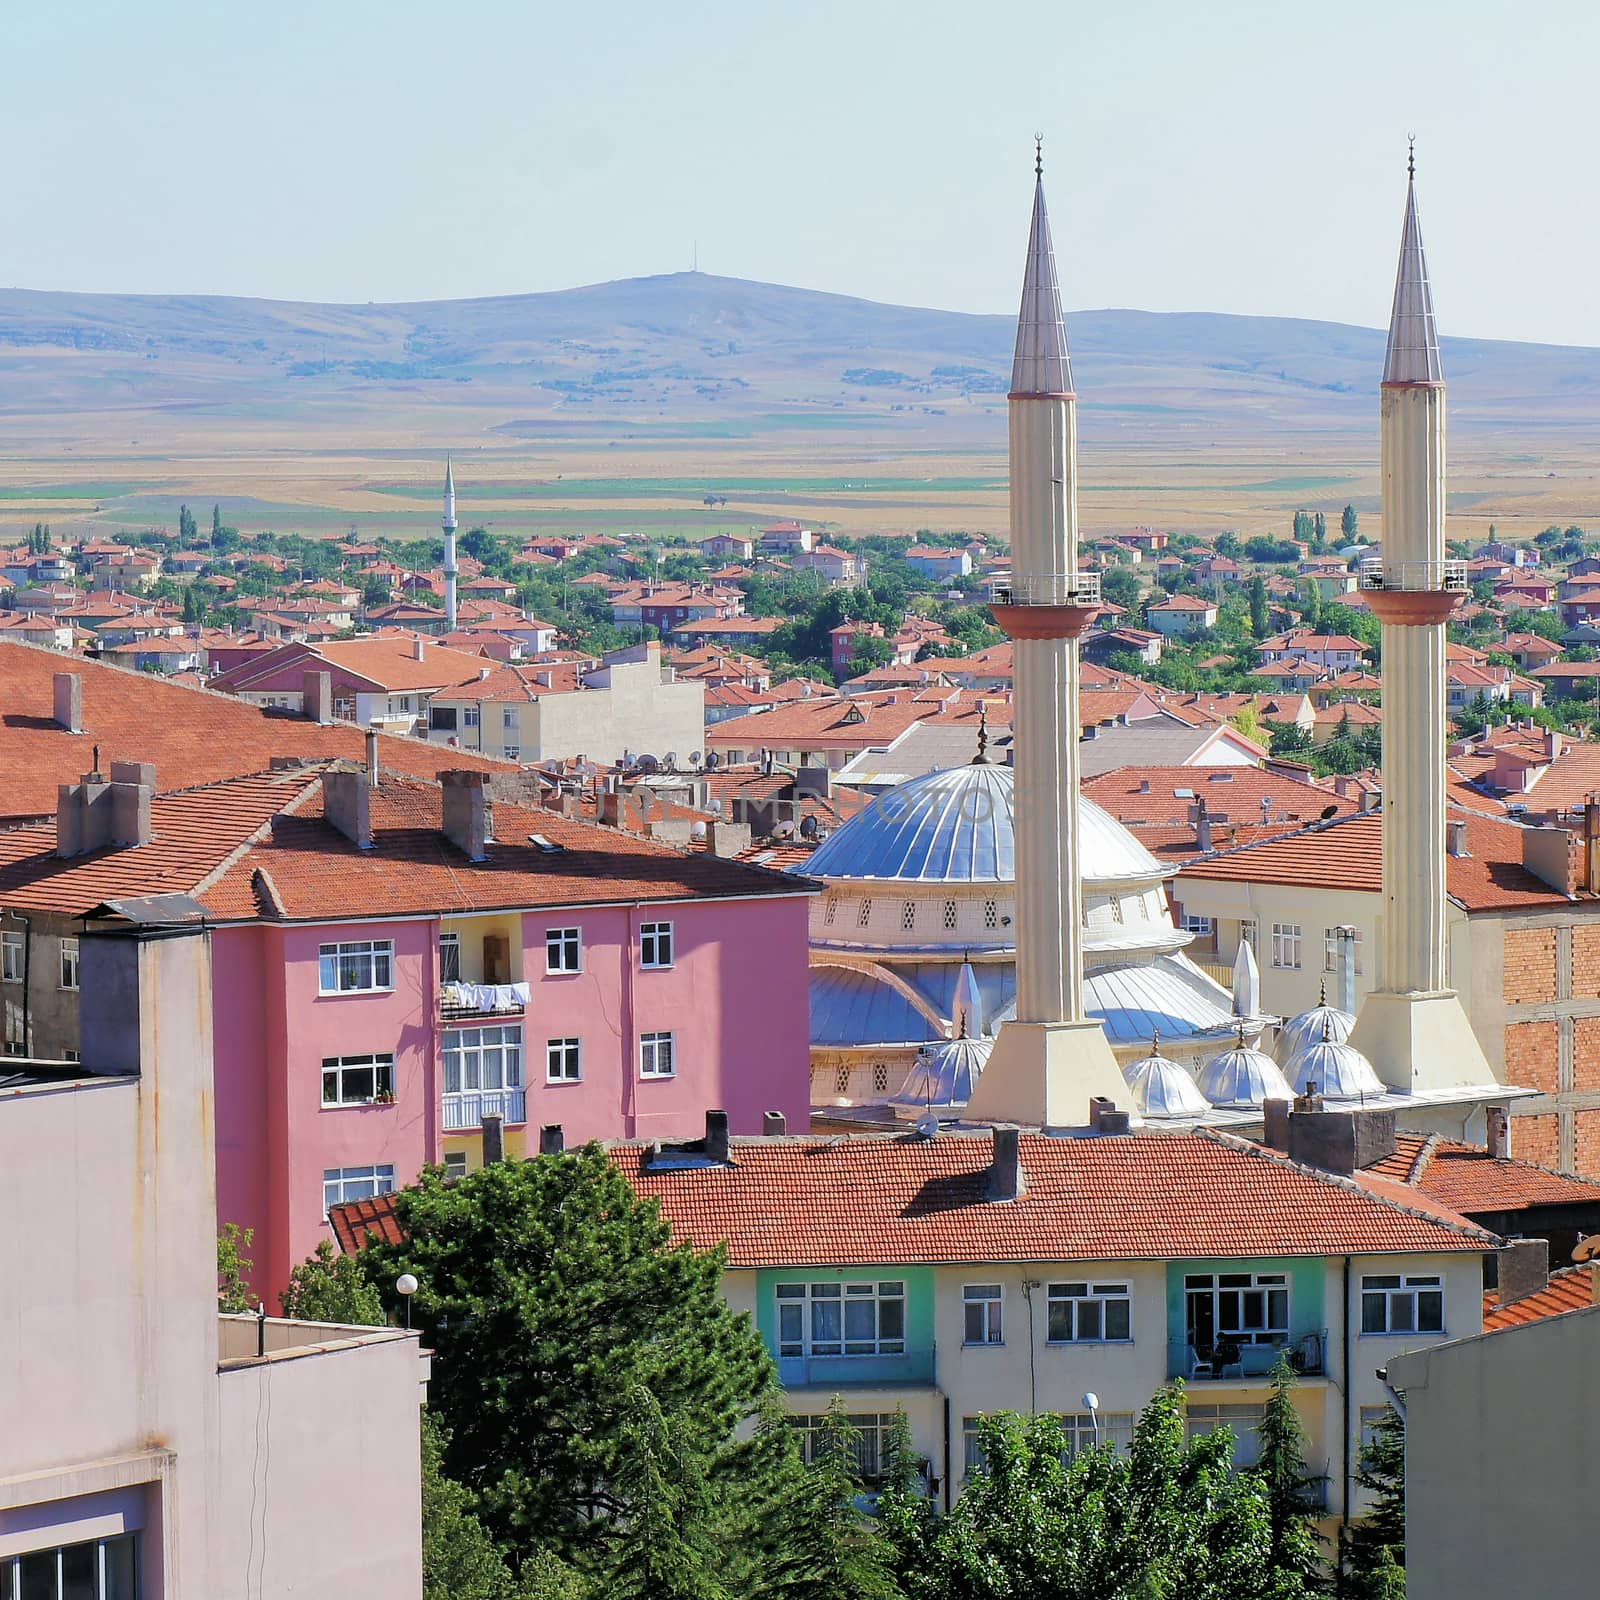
[
  {"x": 1349, "y": 524},
  {"x": 1260, "y": 616},
  {"x": 216, "y": 523},
  {"x": 1321, "y": 528},
  {"x": 1291, "y": 1497},
  {"x": 187, "y": 527},
  {"x": 1379, "y": 1538},
  {"x": 330, "y": 1288}
]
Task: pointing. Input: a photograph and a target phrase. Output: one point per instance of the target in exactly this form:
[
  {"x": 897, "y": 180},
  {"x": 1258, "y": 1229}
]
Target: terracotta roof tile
[
  {"x": 1569, "y": 1289},
  {"x": 1468, "y": 1179}
]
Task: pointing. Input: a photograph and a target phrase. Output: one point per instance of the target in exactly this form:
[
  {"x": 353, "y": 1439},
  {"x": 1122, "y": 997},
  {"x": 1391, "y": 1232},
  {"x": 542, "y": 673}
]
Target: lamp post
[
  {"x": 1091, "y": 1404},
  {"x": 406, "y": 1286}
]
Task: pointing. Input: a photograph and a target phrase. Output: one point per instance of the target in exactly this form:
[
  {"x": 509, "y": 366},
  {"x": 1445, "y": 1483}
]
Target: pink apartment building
[{"x": 404, "y": 970}]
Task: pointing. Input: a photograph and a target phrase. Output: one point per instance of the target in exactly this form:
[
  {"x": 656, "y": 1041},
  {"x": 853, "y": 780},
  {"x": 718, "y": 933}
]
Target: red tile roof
[
  {"x": 193, "y": 736},
  {"x": 1163, "y": 795},
  {"x": 1468, "y": 1179},
  {"x": 1569, "y": 1289}
]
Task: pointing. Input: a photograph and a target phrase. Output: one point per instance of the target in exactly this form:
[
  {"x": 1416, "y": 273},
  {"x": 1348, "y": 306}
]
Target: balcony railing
[
  {"x": 459, "y": 1002},
  {"x": 916, "y": 1368},
  {"x": 1063, "y": 589},
  {"x": 471, "y": 1106},
  {"x": 1415, "y": 577},
  {"x": 1235, "y": 1361}
]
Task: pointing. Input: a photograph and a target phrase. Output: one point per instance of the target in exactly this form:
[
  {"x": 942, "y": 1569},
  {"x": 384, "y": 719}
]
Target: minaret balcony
[
  {"x": 1413, "y": 593},
  {"x": 1046, "y": 606}
]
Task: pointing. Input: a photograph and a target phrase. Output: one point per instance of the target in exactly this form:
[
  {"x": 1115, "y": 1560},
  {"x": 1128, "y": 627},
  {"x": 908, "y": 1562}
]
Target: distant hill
[{"x": 702, "y": 346}]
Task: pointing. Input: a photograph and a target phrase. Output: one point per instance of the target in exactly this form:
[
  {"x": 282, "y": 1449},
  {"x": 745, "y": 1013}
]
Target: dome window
[
  {"x": 908, "y": 915},
  {"x": 950, "y": 914},
  {"x": 991, "y": 914},
  {"x": 864, "y": 915}
]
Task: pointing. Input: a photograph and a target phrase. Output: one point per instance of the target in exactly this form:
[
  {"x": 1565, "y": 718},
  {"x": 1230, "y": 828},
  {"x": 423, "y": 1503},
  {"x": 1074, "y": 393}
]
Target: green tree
[
  {"x": 233, "y": 1268},
  {"x": 1120, "y": 586},
  {"x": 1349, "y": 524},
  {"x": 478, "y": 543},
  {"x": 1292, "y": 1501},
  {"x": 1320, "y": 529},
  {"x": 551, "y": 1293},
  {"x": 1289, "y": 739},
  {"x": 187, "y": 527},
  {"x": 216, "y": 523},
  {"x": 1260, "y": 614},
  {"x": 1380, "y": 1534},
  {"x": 332, "y": 1288}
]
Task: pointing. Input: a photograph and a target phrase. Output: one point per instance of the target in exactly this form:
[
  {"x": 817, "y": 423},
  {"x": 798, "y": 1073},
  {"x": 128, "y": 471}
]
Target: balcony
[
  {"x": 471, "y": 1002},
  {"x": 1413, "y": 592},
  {"x": 1235, "y": 1361},
  {"x": 914, "y": 1369},
  {"x": 1064, "y": 589},
  {"x": 467, "y": 1110}
]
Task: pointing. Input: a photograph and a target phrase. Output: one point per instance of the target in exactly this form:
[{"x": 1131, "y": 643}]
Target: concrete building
[
  {"x": 151, "y": 1448},
  {"x": 1502, "y": 1460},
  {"x": 631, "y": 702}
]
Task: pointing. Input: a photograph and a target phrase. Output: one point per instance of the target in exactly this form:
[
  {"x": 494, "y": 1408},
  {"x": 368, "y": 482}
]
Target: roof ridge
[
  {"x": 257, "y": 836},
  {"x": 1339, "y": 1180},
  {"x": 1423, "y": 1158}
]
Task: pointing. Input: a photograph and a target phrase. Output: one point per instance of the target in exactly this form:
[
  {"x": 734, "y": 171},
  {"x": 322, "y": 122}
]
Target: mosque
[{"x": 992, "y": 946}]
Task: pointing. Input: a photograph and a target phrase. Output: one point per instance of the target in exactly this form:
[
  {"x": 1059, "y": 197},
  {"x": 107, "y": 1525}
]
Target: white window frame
[
  {"x": 655, "y": 946},
  {"x": 71, "y": 963},
  {"x": 1087, "y": 1430},
  {"x": 560, "y": 1055},
  {"x": 1201, "y": 927},
  {"x": 1236, "y": 1290},
  {"x": 1371, "y": 1417},
  {"x": 1250, "y": 934},
  {"x": 1333, "y": 949},
  {"x": 380, "y": 1065},
  {"x": 12, "y": 956},
  {"x": 1087, "y": 1310},
  {"x": 657, "y": 1052},
  {"x": 333, "y": 958},
  {"x": 340, "y": 1184},
  {"x": 512, "y": 752},
  {"x": 1419, "y": 1293},
  {"x": 1206, "y": 1416},
  {"x": 469, "y": 716},
  {"x": 563, "y": 950},
  {"x": 455, "y": 1164},
  {"x": 508, "y": 719},
  {"x": 482, "y": 1058},
  {"x": 874, "y": 1429},
  {"x": 805, "y": 1328},
  {"x": 1287, "y": 940},
  {"x": 449, "y": 941},
  {"x": 108, "y": 1584},
  {"x": 983, "y": 1320}
]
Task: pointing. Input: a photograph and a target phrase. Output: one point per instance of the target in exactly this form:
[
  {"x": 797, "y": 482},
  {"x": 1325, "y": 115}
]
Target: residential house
[
  {"x": 664, "y": 606},
  {"x": 1332, "y": 652},
  {"x": 1181, "y": 614},
  {"x": 837, "y": 566},
  {"x": 728, "y": 547},
  {"x": 785, "y": 538},
  {"x": 1531, "y": 650},
  {"x": 938, "y": 564},
  {"x": 1100, "y": 644},
  {"x": 1289, "y": 675}
]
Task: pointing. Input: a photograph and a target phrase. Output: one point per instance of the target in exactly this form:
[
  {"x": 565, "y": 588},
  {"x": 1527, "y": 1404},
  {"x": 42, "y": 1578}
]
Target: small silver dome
[
  {"x": 944, "y": 1076},
  {"x": 1243, "y": 1077},
  {"x": 1162, "y": 1088},
  {"x": 1336, "y": 1069},
  {"x": 1321, "y": 1022}
]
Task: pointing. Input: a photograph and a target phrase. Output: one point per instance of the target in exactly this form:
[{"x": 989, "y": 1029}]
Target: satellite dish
[
  {"x": 808, "y": 827},
  {"x": 1587, "y": 1249},
  {"x": 694, "y": 758},
  {"x": 927, "y": 1126},
  {"x": 697, "y": 830},
  {"x": 671, "y": 759},
  {"x": 713, "y": 760},
  {"x": 1329, "y": 811},
  {"x": 784, "y": 830},
  {"x": 648, "y": 763},
  {"x": 714, "y": 806}
]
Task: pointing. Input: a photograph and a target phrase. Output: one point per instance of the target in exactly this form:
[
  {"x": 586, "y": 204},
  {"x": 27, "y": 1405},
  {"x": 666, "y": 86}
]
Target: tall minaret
[
  {"x": 449, "y": 526},
  {"x": 1047, "y": 1063},
  {"x": 1413, "y": 1027}
]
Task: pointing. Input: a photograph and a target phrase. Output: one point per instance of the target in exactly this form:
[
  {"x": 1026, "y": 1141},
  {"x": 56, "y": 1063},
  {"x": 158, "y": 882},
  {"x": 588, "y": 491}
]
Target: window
[
  {"x": 1202, "y": 926},
  {"x": 455, "y": 1164},
  {"x": 1089, "y": 1313},
  {"x": 991, "y": 914},
  {"x": 512, "y": 752},
  {"x": 508, "y": 718},
  {"x": 10, "y": 958},
  {"x": 876, "y": 1429},
  {"x": 1085, "y": 1430},
  {"x": 563, "y": 1061},
  {"x": 655, "y": 944},
  {"x": 841, "y": 1081},
  {"x": 469, "y": 716},
  {"x": 69, "y": 963},
  {"x": 880, "y": 1077},
  {"x": 357, "y": 1080},
  {"x": 949, "y": 914},
  {"x": 1286, "y": 945},
  {"x": 655, "y": 1055},
  {"x": 982, "y": 1307},
  {"x": 908, "y": 915},
  {"x": 1244, "y": 1420},
  {"x": 864, "y": 915},
  {"x": 972, "y": 1459},
  {"x": 828, "y": 911},
  {"x": 482, "y": 1058},
  {"x": 1397, "y": 1304},
  {"x": 442, "y": 718},
  {"x": 344, "y": 708},
  {"x": 562, "y": 951},
  {"x": 449, "y": 958},
  {"x": 841, "y": 1319},
  {"x": 357, "y": 966},
  {"x": 355, "y": 1183},
  {"x": 1235, "y": 1308},
  {"x": 98, "y": 1569},
  {"x": 1372, "y": 1418},
  {"x": 1250, "y": 934},
  {"x": 1333, "y": 950}
]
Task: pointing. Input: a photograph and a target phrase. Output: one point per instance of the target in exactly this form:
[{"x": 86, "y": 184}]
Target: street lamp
[
  {"x": 406, "y": 1286},
  {"x": 1091, "y": 1404}
]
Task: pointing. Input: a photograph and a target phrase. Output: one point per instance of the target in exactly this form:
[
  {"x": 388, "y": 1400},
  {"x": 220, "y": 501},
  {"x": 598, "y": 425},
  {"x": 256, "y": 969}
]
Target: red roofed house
[{"x": 1181, "y": 614}]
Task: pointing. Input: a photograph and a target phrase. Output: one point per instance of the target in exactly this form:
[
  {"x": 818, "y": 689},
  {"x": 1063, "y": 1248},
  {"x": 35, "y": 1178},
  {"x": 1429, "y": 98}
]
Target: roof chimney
[
  {"x": 347, "y": 805},
  {"x": 717, "y": 1143},
  {"x": 465, "y": 812},
  {"x": 96, "y": 811},
  {"x": 774, "y": 1124},
  {"x": 1006, "y": 1179},
  {"x": 494, "y": 1138},
  {"x": 1275, "y": 1133},
  {"x": 1105, "y": 1118},
  {"x": 316, "y": 700},
  {"x": 69, "y": 701},
  {"x": 1524, "y": 1267},
  {"x": 419, "y": 649},
  {"x": 1455, "y": 836},
  {"x": 372, "y": 758},
  {"x": 1497, "y": 1125},
  {"x": 552, "y": 1141},
  {"x": 1340, "y": 1141}
]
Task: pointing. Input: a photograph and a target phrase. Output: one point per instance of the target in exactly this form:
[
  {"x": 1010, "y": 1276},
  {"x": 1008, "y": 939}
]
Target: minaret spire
[
  {"x": 1413, "y": 352},
  {"x": 1042, "y": 364},
  {"x": 449, "y": 526}
]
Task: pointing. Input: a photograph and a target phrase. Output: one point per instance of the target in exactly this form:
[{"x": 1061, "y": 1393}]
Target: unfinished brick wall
[
  {"x": 1586, "y": 1143},
  {"x": 1530, "y": 970},
  {"x": 1585, "y": 1053},
  {"x": 1536, "y": 1139},
  {"x": 1586, "y": 963},
  {"x": 1533, "y": 1055}
]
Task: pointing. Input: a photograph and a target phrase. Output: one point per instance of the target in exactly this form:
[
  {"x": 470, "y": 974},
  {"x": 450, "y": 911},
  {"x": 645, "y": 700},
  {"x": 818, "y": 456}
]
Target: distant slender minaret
[
  {"x": 449, "y": 526},
  {"x": 1413, "y": 1028},
  {"x": 1049, "y": 1062}
]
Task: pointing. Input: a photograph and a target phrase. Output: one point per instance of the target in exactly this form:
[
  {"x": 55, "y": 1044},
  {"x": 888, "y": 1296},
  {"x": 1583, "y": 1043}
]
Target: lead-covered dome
[
  {"x": 1335, "y": 1069},
  {"x": 1321, "y": 1022},
  {"x": 1243, "y": 1077},
  {"x": 1161, "y": 1088},
  {"x": 956, "y": 826},
  {"x": 944, "y": 1076}
]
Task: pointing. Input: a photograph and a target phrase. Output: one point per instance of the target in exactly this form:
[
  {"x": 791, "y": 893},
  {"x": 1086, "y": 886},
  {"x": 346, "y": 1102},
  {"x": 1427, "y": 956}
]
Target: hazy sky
[{"x": 1224, "y": 157}]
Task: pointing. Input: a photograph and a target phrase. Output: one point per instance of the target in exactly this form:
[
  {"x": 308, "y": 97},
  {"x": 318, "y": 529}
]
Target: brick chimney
[
  {"x": 774, "y": 1124},
  {"x": 69, "y": 701},
  {"x": 1497, "y": 1124},
  {"x": 466, "y": 816},
  {"x": 1524, "y": 1266},
  {"x": 98, "y": 811},
  {"x": 316, "y": 699},
  {"x": 718, "y": 1145},
  {"x": 419, "y": 649},
  {"x": 1340, "y": 1141},
  {"x": 347, "y": 805},
  {"x": 1006, "y": 1179}
]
